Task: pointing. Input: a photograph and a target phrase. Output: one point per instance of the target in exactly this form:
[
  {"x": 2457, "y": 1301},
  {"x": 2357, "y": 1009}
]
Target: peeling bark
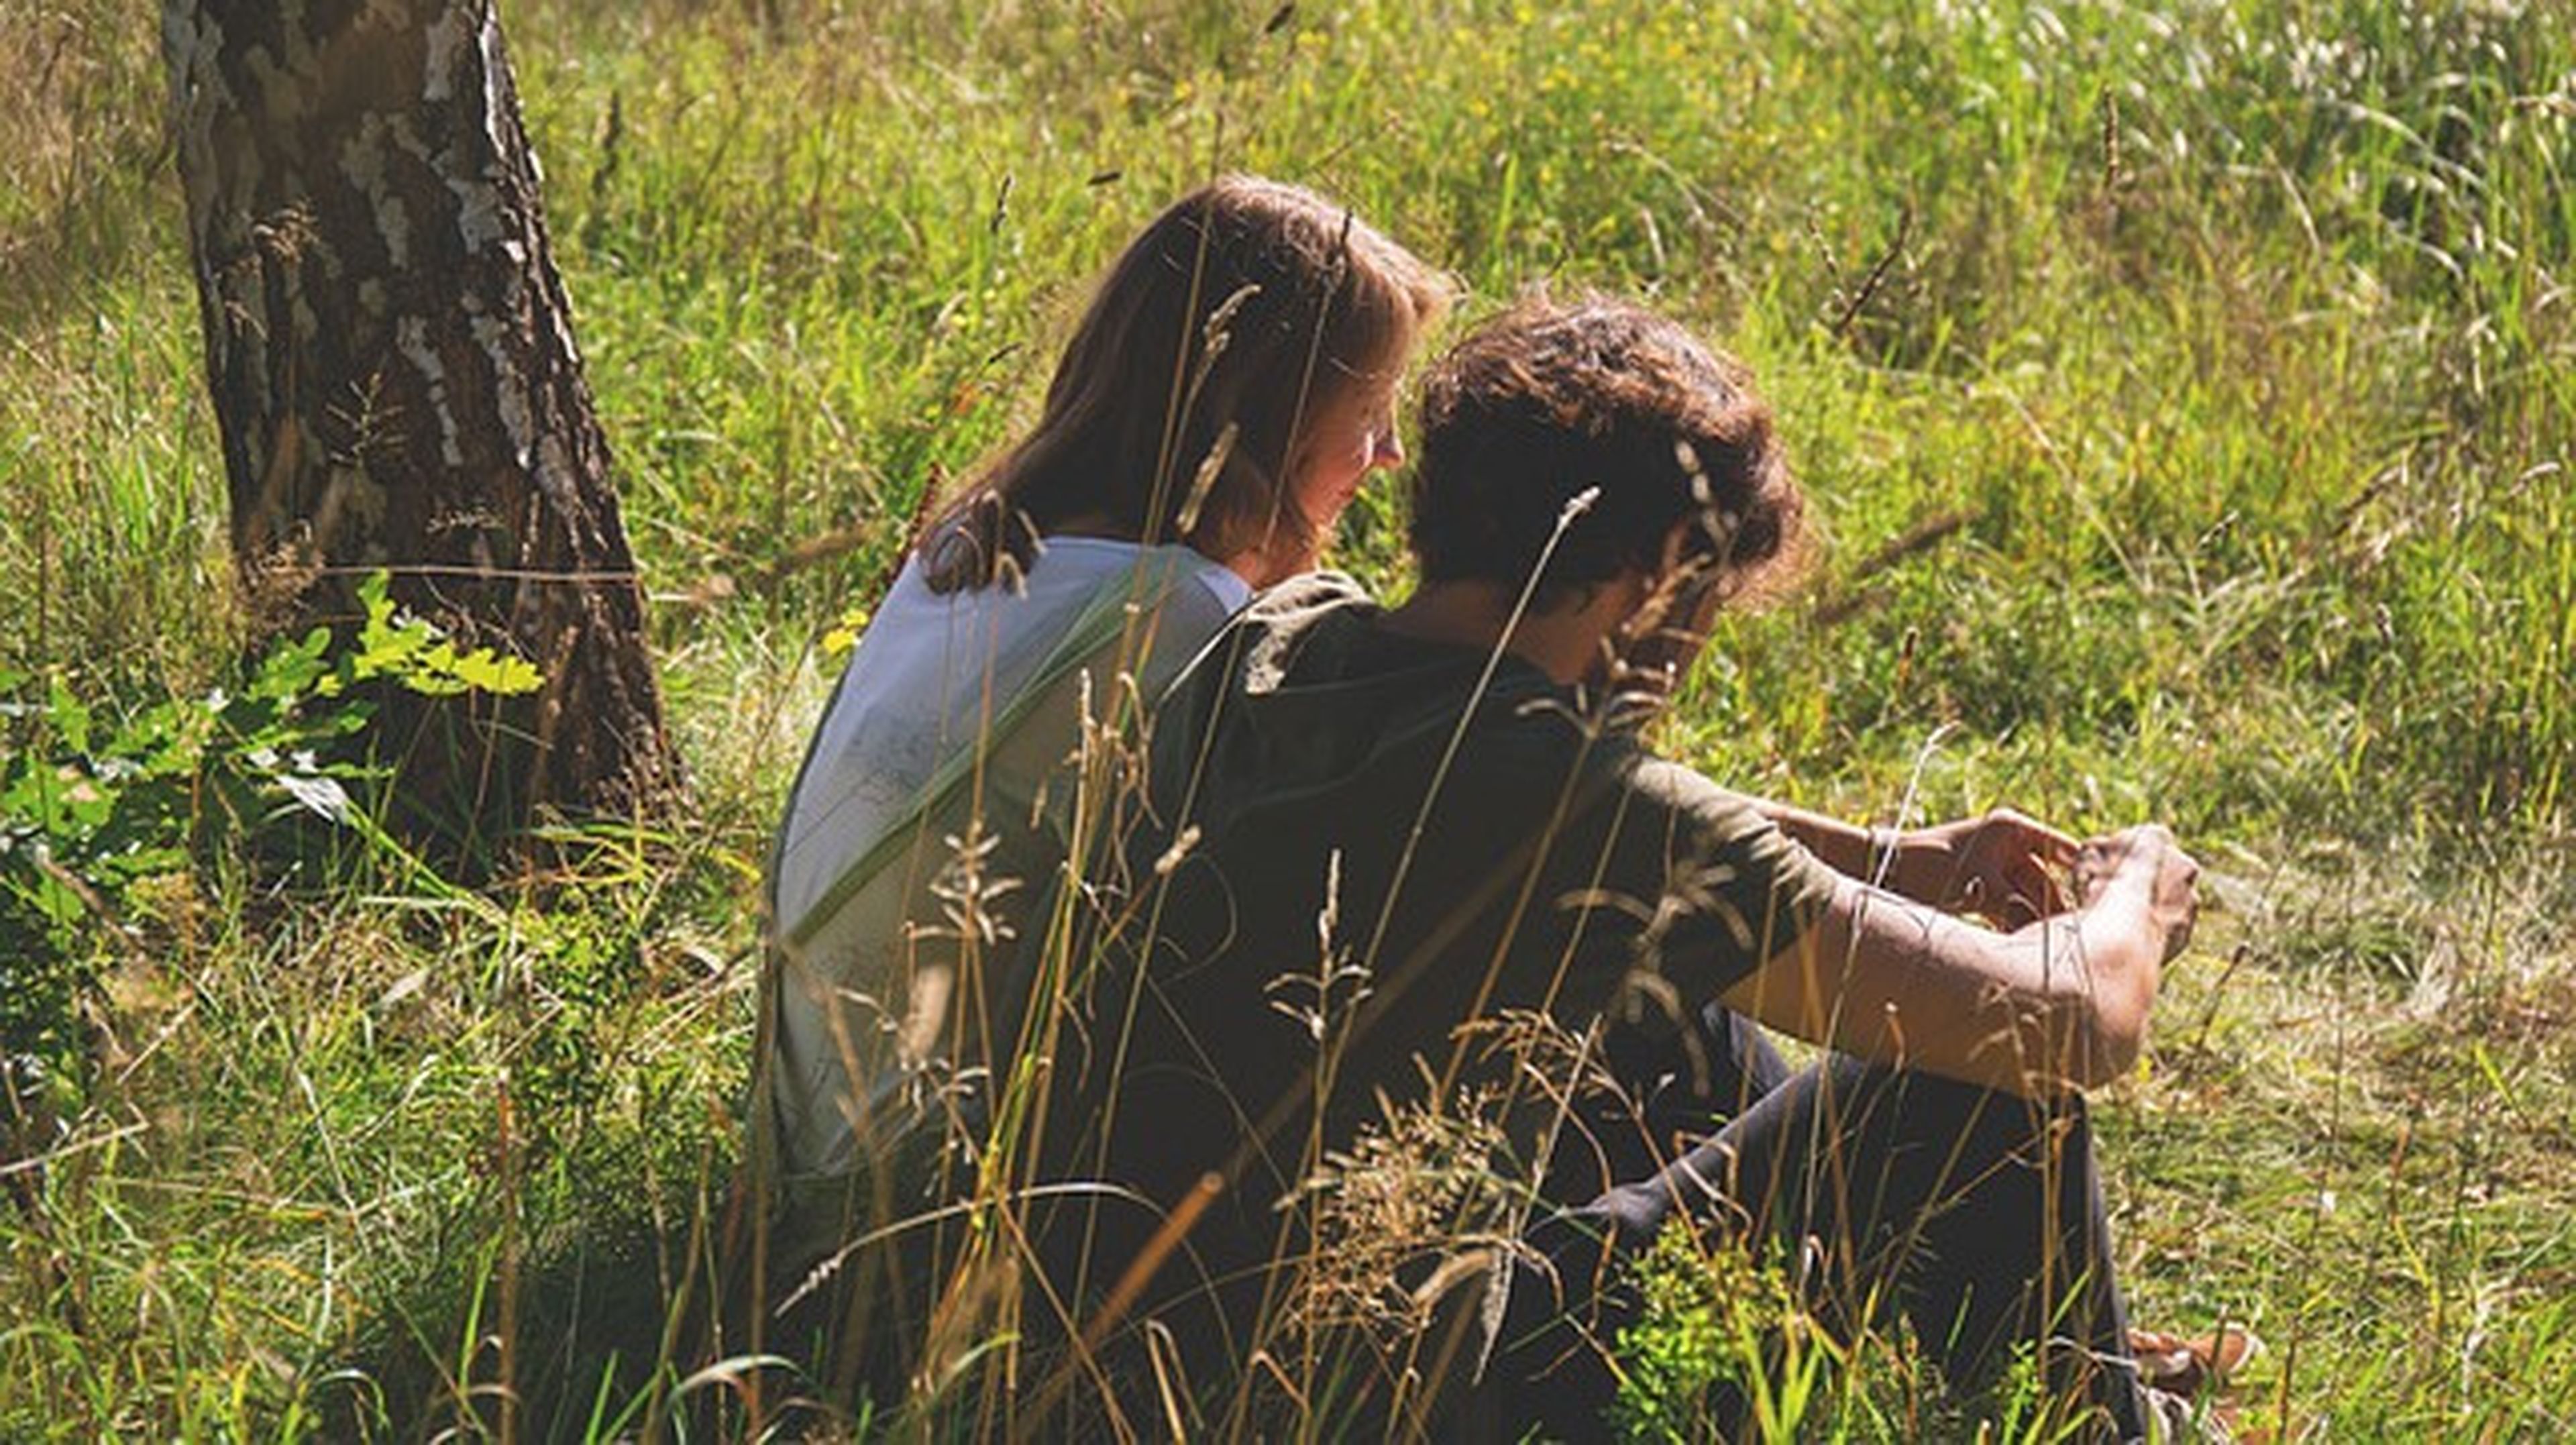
[{"x": 392, "y": 363}]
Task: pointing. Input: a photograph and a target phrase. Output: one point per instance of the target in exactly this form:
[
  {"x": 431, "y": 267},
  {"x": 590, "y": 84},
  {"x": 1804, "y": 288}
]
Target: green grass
[{"x": 2230, "y": 344}]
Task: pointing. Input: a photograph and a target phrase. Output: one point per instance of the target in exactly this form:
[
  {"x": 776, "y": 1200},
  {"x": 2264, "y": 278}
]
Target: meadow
[{"x": 2186, "y": 396}]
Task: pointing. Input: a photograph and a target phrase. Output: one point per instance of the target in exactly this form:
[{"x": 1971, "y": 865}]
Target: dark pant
[{"x": 1979, "y": 1214}]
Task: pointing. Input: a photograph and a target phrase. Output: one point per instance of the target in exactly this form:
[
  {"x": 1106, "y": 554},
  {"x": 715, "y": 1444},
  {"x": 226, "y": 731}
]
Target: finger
[
  {"x": 2045, "y": 894},
  {"x": 2022, "y": 880},
  {"x": 2096, "y": 860},
  {"x": 2177, "y": 875},
  {"x": 2045, "y": 839},
  {"x": 2037, "y": 854},
  {"x": 2023, "y": 833}
]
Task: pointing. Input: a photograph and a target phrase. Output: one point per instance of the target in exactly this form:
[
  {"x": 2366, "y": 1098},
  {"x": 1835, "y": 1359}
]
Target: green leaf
[
  {"x": 85, "y": 799},
  {"x": 69, "y": 717},
  {"x": 493, "y": 672},
  {"x": 291, "y": 668},
  {"x": 61, "y": 906},
  {"x": 418, "y": 653}
]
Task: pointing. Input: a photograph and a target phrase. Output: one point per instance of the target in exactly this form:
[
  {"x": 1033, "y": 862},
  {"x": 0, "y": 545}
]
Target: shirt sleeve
[{"x": 1692, "y": 888}]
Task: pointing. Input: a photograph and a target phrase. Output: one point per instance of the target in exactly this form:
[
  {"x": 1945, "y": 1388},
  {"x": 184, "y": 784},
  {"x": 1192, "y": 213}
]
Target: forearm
[
  {"x": 2059, "y": 1004},
  {"x": 1850, "y": 849},
  {"x": 2090, "y": 978}
]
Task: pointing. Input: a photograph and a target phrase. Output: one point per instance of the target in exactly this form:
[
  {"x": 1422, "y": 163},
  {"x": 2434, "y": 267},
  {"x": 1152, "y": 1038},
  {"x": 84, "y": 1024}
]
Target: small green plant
[
  {"x": 1725, "y": 1349},
  {"x": 1721, "y": 1348},
  {"x": 90, "y": 807}
]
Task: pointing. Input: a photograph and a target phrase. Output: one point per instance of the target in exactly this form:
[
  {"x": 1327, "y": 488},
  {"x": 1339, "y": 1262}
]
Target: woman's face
[{"x": 1353, "y": 437}]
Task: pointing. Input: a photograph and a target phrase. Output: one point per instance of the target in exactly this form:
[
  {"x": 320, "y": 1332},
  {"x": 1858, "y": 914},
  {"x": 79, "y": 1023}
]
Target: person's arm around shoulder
[{"x": 2062, "y": 1002}]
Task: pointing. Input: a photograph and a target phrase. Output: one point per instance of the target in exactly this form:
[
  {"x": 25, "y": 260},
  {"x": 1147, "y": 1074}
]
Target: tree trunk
[{"x": 393, "y": 368}]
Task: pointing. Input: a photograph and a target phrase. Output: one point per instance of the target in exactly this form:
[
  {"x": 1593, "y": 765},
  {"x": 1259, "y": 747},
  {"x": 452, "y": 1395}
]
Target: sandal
[{"x": 2186, "y": 1367}]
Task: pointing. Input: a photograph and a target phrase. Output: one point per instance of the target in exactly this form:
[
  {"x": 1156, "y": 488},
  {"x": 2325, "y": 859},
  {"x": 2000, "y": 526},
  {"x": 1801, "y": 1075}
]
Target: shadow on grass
[{"x": 624, "y": 1330}]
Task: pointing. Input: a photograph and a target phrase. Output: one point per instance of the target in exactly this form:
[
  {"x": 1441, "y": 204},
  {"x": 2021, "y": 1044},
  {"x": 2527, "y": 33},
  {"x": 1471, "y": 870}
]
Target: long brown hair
[{"x": 1183, "y": 401}]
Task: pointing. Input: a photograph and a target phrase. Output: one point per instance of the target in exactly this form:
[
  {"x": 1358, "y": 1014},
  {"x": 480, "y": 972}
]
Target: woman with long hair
[{"x": 1226, "y": 391}]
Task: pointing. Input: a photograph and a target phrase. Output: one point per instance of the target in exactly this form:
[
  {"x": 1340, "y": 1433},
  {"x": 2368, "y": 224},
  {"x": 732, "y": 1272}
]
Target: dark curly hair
[{"x": 1550, "y": 399}]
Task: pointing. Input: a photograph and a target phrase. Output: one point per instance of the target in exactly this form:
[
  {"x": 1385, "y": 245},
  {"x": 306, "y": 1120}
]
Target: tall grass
[{"x": 2185, "y": 390}]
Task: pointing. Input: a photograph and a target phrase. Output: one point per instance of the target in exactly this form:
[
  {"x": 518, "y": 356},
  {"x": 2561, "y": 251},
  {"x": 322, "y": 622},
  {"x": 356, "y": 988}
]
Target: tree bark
[{"x": 393, "y": 369}]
